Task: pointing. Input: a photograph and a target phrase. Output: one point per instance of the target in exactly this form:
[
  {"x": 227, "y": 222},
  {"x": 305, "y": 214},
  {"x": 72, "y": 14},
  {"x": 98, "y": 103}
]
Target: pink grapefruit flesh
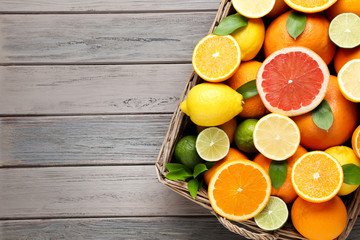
[{"x": 292, "y": 81}]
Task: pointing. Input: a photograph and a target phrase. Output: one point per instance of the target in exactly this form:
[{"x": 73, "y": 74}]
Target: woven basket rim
[{"x": 248, "y": 228}]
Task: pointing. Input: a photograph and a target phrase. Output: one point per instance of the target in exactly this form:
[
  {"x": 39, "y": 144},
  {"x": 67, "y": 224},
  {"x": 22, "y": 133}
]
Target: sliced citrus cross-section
[
  {"x": 349, "y": 80},
  {"x": 215, "y": 58},
  {"x": 344, "y": 30},
  {"x": 317, "y": 176},
  {"x": 292, "y": 81},
  {"x": 253, "y": 8},
  {"x": 310, "y": 6},
  {"x": 273, "y": 216},
  {"x": 355, "y": 141},
  {"x": 239, "y": 190},
  {"x": 276, "y": 136},
  {"x": 212, "y": 144}
]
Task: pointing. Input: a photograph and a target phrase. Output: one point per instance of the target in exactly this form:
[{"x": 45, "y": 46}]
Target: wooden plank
[
  {"x": 101, "y": 38},
  {"x": 111, "y": 191},
  {"x": 187, "y": 228},
  {"x": 86, "y": 140},
  {"x": 91, "y": 89},
  {"x": 11, "y": 6}
]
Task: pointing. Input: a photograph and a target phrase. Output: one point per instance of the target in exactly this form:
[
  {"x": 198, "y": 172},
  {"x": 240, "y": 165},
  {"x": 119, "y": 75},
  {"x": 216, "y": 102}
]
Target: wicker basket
[{"x": 248, "y": 228}]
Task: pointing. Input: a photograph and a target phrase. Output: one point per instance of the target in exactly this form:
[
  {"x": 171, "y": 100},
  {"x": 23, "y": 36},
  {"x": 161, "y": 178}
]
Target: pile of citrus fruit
[{"x": 277, "y": 115}]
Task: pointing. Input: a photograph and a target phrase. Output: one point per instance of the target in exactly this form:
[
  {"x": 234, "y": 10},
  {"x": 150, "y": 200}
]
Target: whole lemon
[
  {"x": 212, "y": 104},
  {"x": 250, "y": 38},
  {"x": 344, "y": 155}
]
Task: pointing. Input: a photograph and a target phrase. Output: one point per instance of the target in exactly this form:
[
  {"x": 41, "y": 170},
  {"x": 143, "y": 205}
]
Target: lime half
[
  {"x": 344, "y": 30},
  {"x": 212, "y": 144},
  {"x": 273, "y": 216}
]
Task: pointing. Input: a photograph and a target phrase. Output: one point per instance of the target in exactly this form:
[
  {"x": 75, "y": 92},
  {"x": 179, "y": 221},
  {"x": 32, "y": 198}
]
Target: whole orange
[
  {"x": 286, "y": 192},
  {"x": 233, "y": 154},
  {"x": 343, "y": 55},
  {"x": 323, "y": 221},
  {"x": 343, "y": 6},
  {"x": 315, "y": 36},
  {"x": 346, "y": 117},
  {"x": 253, "y": 107}
]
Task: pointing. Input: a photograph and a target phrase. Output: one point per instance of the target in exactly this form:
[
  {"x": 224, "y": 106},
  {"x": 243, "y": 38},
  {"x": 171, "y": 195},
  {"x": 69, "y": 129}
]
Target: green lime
[
  {"x": 212, "y": 144},
  {"x": 344, "y": 30},
  {"x": 244, "y": 135},
  {"x": 273, "y": 216},
  {"x": 185, "y": 152}
]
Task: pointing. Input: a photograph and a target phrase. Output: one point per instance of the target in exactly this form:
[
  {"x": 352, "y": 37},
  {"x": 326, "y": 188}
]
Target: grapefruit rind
[
  {"x": 303, "y": 109},
  {"x": 211, "y": 188},
  {"x": 306, "y": 196}
]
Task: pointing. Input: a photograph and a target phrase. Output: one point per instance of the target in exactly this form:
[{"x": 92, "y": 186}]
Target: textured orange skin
[
  {"x": 315, "y": 36},
  {"x": 279, "y": 8},
  {"x": 344, "y": 55},
  {"x": 233, "y": 154},
  {"x": 342, "y": 6},
  {"x": 319, "y": 221},
  {"x": 286, "y": 192},
  {"x": 253, "y": 107},
  {"x": 346, "y": 117}
]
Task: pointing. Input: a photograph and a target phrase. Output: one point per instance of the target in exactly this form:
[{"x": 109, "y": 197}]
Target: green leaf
[
  {"x": 248, "y": 89},
  {"x": 351, "y": 174},
  {"x": 209, "y": 165},
  {"x": 322, "y": 116},
  {"x": 201, "y": 182},
  {"x": 295, "y": 24},
  {"x": 230, "y": 24},
  {"x": 181, "y": 174},
  {"x": 198, "y": 169},
  {"x": 193, "y": 186},
  {"x": 278, "y": 172},
  {"x": 175, "y": 166}
]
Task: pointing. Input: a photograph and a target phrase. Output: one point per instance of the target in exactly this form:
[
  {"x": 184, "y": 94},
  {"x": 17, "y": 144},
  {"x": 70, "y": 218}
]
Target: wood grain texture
[
  {"x": 186, "y": 228},
  {"x": 91, "y": 89},
  {"x": 89, "y": 191},
  {"x": 87, "y": 140},
  {"x": 10, "y": 6},
  {"x": 101, "y": 38}
]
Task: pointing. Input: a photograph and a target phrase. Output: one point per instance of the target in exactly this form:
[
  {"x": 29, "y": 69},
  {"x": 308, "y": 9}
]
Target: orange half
[
  {"x": 317, "y": 176},
  {"x": 355, "y": 141},
  {"x": 310, "y": 6},
  {"x": 239, "y": 190},
  {"x": 216, "y": 58}
]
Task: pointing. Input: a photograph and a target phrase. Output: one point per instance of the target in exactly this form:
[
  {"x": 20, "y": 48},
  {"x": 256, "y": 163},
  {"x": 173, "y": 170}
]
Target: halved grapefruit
[{"x": 292, "y": 81}]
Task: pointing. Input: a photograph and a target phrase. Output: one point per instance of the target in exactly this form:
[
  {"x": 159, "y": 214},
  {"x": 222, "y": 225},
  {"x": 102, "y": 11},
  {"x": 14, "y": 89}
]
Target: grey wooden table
[{"x": 87, "y": 90}]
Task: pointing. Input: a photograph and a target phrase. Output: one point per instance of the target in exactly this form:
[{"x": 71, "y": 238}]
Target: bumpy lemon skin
[
  {"x": 344, "y": 155},
  {"x": 212, "y": 104}
]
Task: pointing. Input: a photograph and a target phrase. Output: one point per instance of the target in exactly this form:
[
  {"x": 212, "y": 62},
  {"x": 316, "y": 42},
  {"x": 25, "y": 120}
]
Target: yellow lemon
[
  {"x": 250, "y": 38},
  {"x": 344, "y": 155},
  {"x": 212, "y": 104}
]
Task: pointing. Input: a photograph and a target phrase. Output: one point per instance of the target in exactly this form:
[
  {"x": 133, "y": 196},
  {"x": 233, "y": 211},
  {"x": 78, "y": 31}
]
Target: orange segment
[
  {"x": 216, "y": 58},
  {"x": 239, "y": 190},
  {"x": 317, "y": 176},
  {"x": 355, "y": 141},
  {"x": 311, "y": 6}
]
